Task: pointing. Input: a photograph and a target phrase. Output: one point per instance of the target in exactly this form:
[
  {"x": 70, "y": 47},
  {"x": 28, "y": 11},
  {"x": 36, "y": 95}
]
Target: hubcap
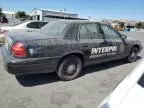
[
  {"x": 71, "y": 69},
  {"x": 133, "y": 55}
]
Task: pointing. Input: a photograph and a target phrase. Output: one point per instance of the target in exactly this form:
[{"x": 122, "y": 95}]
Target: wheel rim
[
  {"x": 133, "y": 55},
  {"x": 70, "y": 67}
]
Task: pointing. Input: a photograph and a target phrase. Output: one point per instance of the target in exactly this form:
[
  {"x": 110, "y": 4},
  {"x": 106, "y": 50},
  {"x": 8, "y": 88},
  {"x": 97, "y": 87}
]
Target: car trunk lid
[{"x": 29, "y": 39}]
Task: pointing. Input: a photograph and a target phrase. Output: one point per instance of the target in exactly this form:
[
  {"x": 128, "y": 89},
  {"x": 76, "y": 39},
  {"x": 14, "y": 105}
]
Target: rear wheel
[
  {"x": 132, "y": 57},
  {"x": 69, "y": 68}
]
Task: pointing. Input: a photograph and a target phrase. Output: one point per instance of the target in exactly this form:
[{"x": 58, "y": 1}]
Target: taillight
[{"x": 19, "y": 50}]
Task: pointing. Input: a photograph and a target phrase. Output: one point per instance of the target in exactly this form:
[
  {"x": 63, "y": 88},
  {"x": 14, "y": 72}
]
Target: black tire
[
  {"x": 132, "y": 57},
  {"x": 69, "y": 68}
]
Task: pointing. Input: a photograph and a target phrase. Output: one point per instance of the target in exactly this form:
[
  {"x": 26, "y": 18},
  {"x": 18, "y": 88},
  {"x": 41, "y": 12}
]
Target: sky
[{"x": 99, "y": 9}]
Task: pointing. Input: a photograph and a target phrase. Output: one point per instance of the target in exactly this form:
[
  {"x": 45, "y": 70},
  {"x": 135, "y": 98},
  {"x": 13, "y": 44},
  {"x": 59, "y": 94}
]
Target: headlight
[
  {"x": 105, "y": 105},
  {"x": 142, "y": 44}
]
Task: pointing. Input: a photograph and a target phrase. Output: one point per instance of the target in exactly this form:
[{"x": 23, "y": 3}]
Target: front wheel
[
  {"x": 132, "y": 57},
  {"x": 69, "y": 68}
]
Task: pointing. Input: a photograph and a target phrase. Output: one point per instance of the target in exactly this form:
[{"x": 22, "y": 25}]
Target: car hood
[
  {"x": 6, "y": 28},
  {"x": 129, "y": 37},
  {"x": 131, "y": 40},
  {"x": 23, "y": 35},
  {"x": 11, "y": 28}
]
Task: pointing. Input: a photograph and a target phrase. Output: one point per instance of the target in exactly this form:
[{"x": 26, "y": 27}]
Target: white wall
[
  {"x": 36, "y": 12},
  {"x": 43, "y": 13}
]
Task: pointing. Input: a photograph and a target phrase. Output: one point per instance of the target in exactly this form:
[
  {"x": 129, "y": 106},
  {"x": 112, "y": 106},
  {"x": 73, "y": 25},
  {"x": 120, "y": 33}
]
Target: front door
[
  {"x": 113, "y": 40},
  {"x": 90, "y": 41}
]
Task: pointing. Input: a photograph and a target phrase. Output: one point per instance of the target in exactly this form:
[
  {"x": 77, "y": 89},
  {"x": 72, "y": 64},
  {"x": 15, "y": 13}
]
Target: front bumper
[
  {"x": 141, "y": 47},
  {"x": 19, "y": 66}
]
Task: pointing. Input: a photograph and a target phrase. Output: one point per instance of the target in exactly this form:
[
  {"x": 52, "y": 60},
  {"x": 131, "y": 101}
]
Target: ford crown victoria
[{"x": 64, "y": 47}]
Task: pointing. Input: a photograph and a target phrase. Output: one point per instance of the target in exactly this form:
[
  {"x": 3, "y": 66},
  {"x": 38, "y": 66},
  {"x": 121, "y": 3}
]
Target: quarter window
[{"x": 109, "y": 32}]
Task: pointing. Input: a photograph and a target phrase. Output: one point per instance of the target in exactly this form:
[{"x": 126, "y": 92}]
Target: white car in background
[
  {"x": 28, "y": 26},
  {"x": 129, "y": 93}
]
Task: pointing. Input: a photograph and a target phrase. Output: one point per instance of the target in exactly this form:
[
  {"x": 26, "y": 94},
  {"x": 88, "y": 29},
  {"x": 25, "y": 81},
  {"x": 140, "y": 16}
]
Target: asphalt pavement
[{"x": 46, "y": 91}]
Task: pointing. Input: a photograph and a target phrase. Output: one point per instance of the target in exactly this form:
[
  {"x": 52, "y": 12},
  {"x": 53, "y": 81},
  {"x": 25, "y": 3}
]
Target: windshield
[
  {"x": 141, "y": 81},
  {"x": 55, "y": 28}
]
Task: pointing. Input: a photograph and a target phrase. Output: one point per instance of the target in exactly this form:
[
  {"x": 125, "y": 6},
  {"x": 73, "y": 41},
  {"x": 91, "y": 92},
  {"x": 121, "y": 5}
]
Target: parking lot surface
[{"x": 46, "y": 91}]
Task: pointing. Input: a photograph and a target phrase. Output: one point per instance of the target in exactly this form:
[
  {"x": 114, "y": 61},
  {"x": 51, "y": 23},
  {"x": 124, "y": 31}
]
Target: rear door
[{"x": 113, "y": 40}]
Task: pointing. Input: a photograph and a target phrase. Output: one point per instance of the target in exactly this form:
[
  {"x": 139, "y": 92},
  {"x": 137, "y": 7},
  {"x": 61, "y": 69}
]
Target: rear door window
[{"x": 83, "y": 32}]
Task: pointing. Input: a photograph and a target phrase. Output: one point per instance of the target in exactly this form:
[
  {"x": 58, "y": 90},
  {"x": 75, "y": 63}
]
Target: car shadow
[
  {"x": 40, "y": 79},
  {"x": 37, "y": 79},
  {"x": 103, "y": 66}
]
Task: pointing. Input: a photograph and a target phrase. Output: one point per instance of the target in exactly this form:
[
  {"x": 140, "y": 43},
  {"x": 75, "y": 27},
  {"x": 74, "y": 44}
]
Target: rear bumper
[{"x": 19, "y": 66}]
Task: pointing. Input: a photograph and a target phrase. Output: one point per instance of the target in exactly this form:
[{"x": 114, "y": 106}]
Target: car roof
[
  {"x": 33, "y": 21},
  {"x": 78, "y": 21}
]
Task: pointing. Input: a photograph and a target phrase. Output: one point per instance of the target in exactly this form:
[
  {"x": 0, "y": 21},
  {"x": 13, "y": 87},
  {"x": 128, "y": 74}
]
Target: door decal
[{"x": 102, "y": 51}]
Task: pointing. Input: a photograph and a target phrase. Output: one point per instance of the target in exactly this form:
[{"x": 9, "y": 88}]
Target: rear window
[
  {"x": 33, "y": 25},
  {"x": 41, "y": 24},
  {"x": 55, "y": 28}
]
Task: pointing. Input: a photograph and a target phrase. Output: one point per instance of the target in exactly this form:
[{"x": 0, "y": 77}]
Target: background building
[{"x": 48, "y": 15}]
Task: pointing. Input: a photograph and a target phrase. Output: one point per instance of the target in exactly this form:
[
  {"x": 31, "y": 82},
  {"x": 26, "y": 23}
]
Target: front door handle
[
  {"x": 85, "y": 46},
  {"x": 110, "y": 43}
]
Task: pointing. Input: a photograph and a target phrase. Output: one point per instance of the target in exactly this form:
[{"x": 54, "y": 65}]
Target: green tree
[
  {"x": 21, "y": 15},
  {"x": 1, "y": 12},
  {"x": 139, "y": 25}
]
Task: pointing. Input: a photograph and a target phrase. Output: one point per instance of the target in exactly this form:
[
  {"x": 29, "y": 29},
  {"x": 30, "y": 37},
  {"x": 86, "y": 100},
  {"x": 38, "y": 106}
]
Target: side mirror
[{"x": 123, "y": 36}]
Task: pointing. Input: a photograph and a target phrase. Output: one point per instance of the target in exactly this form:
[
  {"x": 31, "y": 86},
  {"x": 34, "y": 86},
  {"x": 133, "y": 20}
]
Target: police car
[
  {"x": 129, "y": 93},
  {"x": 64, "y": 47}
]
